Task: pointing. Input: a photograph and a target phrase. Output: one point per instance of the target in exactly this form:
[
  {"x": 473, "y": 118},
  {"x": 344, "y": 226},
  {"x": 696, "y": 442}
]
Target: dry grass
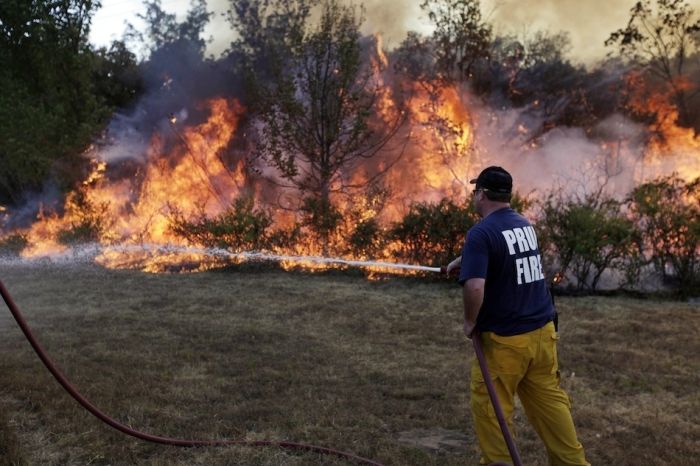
[{"x": 330, "y": 360}]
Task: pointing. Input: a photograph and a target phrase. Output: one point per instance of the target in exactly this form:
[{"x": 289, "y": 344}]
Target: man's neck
[{"x": 492, "y": 207}]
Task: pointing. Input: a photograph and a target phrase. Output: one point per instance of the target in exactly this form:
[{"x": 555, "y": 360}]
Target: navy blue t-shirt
[{"x": 503, "y": 249}]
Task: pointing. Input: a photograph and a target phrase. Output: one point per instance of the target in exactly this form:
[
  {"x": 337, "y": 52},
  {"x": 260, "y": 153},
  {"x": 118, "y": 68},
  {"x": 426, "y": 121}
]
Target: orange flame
[{"x": 187, "y": 175}]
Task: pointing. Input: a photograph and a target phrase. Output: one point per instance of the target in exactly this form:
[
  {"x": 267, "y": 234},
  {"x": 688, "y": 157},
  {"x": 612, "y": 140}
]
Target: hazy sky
[{"x": 589, "y": 22}]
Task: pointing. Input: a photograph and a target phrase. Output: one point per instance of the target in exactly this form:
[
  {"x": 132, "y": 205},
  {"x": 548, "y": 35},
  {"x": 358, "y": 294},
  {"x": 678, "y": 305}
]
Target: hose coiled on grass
[{"x": 85, "y": 403}]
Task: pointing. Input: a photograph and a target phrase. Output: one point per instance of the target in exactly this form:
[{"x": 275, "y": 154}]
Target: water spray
[{"x": 255, "y": 256}]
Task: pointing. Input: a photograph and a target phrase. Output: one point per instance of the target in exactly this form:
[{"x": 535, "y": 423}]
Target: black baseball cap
[{"x": 494, "y": 179}]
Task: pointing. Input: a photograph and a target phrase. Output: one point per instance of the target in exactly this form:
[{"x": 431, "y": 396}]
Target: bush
[
  {"x": 284, "y": 240},
  {"x": 585, "y": 236},
  {"x": 89, "y": 220},
  {"x": 322, "y": 218},
  {"x": 241, "y": 227},
  {"x": 366, "y": 240},
  {"x": 521, "y": 204},
  {"x": 667, "y": 213},
  {"x": 12, "y": 245},
  {"x": 432, "y": 233}
]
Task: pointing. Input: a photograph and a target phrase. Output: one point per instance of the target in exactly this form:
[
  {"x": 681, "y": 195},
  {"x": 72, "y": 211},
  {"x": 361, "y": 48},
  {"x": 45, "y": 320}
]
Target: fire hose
[
  {"x": 85, "y": 403},
  {"x": 92, "y": 409}
]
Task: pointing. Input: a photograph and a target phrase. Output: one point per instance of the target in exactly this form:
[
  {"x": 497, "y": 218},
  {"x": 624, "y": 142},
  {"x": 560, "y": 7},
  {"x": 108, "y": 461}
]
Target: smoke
[
  {"x": 176, "y": 80},
  {"x": 563, "y": 157},
  {"x": 572, "y": 160},
  {"x": 588, "y": 23},
  {"x": 25, "y": 213},
  {"x": 392, "y": 20}
]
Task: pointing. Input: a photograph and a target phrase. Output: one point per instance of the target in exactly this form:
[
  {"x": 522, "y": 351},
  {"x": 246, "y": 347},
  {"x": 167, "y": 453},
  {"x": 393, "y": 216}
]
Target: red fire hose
[{"x": 148, "y": 437}]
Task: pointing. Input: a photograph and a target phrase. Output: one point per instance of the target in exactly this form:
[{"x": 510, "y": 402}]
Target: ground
[{"x": 377, "y": 368}]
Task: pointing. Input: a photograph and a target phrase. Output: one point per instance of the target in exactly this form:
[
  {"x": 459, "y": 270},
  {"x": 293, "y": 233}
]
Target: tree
[
  {"x": 49, "y": 106},
  {"x": 118, "y": 78},
  {"x": 529, "y": 67},
  {"x": 173, "y": 56},
  {"x": 461, "y": 37},
  {"x": 534, "y": 74},
  {"x": 320, "y": 110},
  {"x": 163, "y": 31},
  {"x": 661, "y": 38},
  {"x": 267, "y": 30}
]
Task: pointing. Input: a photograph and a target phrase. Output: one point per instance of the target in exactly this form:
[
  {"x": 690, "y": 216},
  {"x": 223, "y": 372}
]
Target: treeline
[{"x": 58, "y": 93}]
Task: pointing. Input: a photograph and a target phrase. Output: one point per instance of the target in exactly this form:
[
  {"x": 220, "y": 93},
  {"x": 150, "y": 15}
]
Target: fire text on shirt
[{"x": 521, "y": 240}]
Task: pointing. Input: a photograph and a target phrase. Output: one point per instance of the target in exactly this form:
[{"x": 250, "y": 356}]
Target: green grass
[{"x": 326, "y": 359}]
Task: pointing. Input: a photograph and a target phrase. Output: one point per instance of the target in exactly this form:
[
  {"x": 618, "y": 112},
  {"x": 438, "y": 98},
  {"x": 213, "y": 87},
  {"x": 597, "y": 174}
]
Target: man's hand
[
  {"x": 469, "y": 329},
  {"x": 454, "y": 266}
]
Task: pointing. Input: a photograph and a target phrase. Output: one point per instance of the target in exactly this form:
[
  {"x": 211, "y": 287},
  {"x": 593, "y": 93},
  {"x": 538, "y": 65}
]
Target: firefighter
[{"x": 507, "y": 301}]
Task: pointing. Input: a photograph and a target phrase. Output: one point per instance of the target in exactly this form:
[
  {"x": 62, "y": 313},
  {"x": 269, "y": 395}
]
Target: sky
[{"x": 589, "y": 22}]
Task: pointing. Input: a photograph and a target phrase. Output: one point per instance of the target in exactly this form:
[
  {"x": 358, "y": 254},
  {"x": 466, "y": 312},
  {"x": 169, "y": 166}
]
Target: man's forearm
[{"x": 473, "y": 297}]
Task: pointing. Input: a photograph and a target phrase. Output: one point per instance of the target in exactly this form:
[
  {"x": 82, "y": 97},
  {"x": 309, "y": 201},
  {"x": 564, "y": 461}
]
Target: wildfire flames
[
  {"x": 186, "y": 174},
  {"x": 191, "y": 179}
]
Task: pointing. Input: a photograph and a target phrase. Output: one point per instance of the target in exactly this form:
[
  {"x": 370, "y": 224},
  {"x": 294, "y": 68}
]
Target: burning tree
[
  {"x": 440, "y": 68},
  {"x": 532, "y": 72},
  {"x": 321, "y": 109},
  {"x": 661, "y": 39}
]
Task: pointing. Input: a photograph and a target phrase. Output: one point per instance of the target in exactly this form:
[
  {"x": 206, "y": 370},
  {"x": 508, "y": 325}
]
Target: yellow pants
[{"x": 525, "y": 364}]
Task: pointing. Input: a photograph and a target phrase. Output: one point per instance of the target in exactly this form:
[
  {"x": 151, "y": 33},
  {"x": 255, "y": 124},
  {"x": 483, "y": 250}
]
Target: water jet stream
[{"x": 252, "y": 256}]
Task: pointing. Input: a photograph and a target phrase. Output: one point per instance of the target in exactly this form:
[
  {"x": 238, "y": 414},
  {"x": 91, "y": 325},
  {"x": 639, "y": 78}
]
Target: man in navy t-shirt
[{"x": 507, "y": 301}]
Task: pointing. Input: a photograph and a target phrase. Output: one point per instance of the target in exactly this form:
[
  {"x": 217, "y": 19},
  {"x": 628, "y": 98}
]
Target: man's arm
[{"x": 473, "y": 297}]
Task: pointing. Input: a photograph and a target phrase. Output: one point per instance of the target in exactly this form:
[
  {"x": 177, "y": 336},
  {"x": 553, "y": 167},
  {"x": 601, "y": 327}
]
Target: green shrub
[
  {"x": 432, "y": 233},
  {"x": 520, "y": 203},
  {"x": 322, "y": 218},
  {"x": 366, "y": 240},
  {"x": 285, "y": 240},
  {"x": 667, "y": 213},
  {"x": 241, "y": 227},
  {"x": 584, "y": 236}
]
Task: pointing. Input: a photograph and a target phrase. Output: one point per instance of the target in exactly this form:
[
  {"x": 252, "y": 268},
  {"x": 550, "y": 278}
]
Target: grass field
[{"x": 379, "y": 369}]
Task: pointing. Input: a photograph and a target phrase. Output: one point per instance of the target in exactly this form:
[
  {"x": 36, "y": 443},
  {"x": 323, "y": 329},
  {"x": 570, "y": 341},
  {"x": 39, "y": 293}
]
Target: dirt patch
[{"x": 437, "y": 440}]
